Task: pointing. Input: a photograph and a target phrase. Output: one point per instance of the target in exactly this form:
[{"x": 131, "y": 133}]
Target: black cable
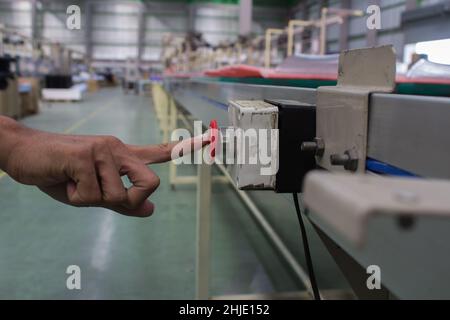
[{"x": 309, "y": 263}]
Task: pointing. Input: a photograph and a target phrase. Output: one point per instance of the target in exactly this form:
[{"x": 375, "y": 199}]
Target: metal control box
[
  {"x": 253, "y": 136},
  {"x": 267, "y": 138}
]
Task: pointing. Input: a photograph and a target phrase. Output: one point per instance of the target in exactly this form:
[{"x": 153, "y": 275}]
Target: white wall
[{"x": 16, "y": 15}]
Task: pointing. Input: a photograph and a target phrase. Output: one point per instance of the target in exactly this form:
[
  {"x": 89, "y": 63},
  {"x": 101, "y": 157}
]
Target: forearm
[
  {"x": 85, "y": 170},
  {"x": 11, "y": 135}
]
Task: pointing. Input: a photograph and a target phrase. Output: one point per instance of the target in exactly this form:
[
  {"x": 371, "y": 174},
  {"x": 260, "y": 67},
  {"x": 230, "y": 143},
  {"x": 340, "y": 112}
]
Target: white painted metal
[
  {"x": 348, "y": 201},
  {"x": 247, "y": 117},
  {"x": 343, "y": 110}
]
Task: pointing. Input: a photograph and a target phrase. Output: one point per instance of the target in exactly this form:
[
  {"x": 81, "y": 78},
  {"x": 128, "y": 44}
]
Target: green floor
[{"x": 122, "y": 257}]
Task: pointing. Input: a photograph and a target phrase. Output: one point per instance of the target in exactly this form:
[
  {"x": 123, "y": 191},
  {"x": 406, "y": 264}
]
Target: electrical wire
[{"x": 309, "y": 264}]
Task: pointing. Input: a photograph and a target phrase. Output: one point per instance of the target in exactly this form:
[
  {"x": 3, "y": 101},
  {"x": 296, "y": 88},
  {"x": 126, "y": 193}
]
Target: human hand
[{"x": 86, "y": 171}]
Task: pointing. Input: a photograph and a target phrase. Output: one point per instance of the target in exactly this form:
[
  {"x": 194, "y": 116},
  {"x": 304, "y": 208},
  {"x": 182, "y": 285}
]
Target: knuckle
[
  {"x": 152, "y": 181},
  {"x": 82, "y": 152},
  {"x": 115, "y": 198},
  {"x": 103, "y": 146},
  {"x": 157, "y": 181},
  {"x": 100, "y": 145},
  {"x": 85, "y": 152},
  {"x": 133, "y": 205},
  {"x": 164, "y": 149},
  {"x": 75, "y": 201},
  {"x": 83, "y": 164},
  {"x": 88, "y": 164},
  {"x": 85, "y": 200},
  {"x": 113, "y": 141},
  {"x": 93, "y": 198}
]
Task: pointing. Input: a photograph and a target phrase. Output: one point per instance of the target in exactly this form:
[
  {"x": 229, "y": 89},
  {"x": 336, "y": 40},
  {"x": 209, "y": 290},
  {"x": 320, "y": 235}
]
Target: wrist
[{"x": 11, "y": 136}]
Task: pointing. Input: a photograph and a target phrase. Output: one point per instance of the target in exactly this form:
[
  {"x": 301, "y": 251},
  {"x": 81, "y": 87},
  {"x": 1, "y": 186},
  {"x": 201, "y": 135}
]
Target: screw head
[
  {"x": 406, "y": 222},
  {"x": 317, "y": 146},
  {"x": 347, "y": 160}
]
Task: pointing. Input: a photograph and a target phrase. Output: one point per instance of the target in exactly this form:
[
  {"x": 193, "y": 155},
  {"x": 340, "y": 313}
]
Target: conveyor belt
[
  {"x": 410, "y": 88},
  {"x": 405, "y": 131},
  {"x": 410, "y": 133}
]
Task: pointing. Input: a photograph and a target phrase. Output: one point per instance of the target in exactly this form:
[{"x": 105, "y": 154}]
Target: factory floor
[{"x": 122, "y": 257}]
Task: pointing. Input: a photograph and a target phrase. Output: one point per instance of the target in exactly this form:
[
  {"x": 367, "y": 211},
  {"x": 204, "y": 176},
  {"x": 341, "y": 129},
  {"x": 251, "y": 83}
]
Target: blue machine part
[{"x": 387, "y": 169}]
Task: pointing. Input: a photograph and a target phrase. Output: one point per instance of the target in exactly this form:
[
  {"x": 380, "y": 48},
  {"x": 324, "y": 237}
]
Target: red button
[{"x": 214, "y": 136}]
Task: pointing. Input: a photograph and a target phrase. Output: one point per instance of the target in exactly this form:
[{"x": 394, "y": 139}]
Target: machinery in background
[
  {"x": 37, "y": 59},
  {"x": 9, "y": 93},
  {"x": 131, "y": 76},
  {"x": 30, "y": 95},
  {"x": 193, "y": 54},
  {"x": 58, "y": 84}
]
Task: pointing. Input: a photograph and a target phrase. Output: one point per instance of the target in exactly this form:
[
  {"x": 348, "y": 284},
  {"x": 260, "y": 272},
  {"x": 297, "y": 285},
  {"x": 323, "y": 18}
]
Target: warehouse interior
[{"x": 377, "y": 216}]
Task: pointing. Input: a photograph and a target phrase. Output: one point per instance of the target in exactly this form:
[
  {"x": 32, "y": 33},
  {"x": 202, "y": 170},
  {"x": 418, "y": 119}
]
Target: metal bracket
[
  {"x": 346, "y": 202},
  {"x": 343, "y": 110}
]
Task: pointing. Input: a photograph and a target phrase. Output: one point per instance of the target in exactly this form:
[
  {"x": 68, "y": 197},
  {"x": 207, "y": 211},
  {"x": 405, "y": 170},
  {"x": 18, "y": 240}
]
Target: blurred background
[{"x": 103, "y": 69}]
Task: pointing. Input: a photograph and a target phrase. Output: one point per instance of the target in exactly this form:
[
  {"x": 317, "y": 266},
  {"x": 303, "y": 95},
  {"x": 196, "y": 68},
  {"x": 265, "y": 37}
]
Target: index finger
[{"x": 168, "y": 151}]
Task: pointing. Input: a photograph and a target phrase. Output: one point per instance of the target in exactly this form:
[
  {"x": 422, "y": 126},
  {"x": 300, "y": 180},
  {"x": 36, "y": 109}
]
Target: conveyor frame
[
  {"x": 405, "y": 131},
  {"x": 399, "y": 125}
]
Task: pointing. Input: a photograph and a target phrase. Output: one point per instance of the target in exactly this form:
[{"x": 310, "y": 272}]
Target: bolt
[
  {"x": 349, "y": 162},
  {"x": 317, "y": 146},
  {"x": 309, "y": 146},
  {"x": 339, "y": 159},
  {"x": 406, "y": 222}
]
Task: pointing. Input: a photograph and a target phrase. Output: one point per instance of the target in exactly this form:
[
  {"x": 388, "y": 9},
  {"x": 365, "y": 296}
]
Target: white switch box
[{"x": 255, "y": 125}]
